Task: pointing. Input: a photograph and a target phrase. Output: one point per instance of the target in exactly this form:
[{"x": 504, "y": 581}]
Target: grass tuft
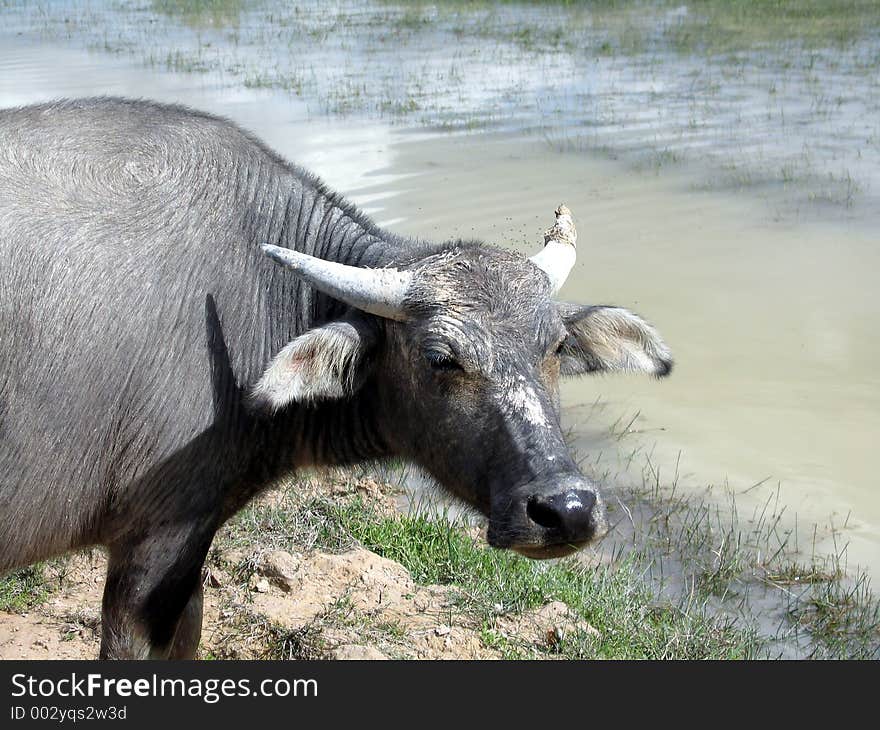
[{"x": 23, "y": 589}]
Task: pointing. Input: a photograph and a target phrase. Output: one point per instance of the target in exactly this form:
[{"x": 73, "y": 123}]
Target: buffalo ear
[
  {"x": 325, "y": 363},
  {"x": 609, "y": 339}
]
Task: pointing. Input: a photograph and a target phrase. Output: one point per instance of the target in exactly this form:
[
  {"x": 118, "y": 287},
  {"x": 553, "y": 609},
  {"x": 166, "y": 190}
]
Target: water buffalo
[{"x": 186, "y": 318}]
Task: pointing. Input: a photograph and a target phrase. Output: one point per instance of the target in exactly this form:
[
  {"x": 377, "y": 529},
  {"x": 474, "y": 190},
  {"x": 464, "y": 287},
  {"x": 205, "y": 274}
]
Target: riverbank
[{"x": 330, "y": 568}]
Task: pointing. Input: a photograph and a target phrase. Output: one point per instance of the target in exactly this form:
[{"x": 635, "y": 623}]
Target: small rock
[
  {"x": 442, "y": 630},
  {"x": 357, "y": 652},
  {"x": 281, "y": 568},
  {"x": 258, "y": 585},
  {"x": 555, "y": 636}
]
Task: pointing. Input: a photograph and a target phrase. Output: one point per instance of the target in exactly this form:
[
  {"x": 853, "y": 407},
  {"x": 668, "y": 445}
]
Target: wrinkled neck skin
[
  {"x": 328, "y": 433},
  {"x": 332, "y": 433},
  {"x": 320, "y": 223}
]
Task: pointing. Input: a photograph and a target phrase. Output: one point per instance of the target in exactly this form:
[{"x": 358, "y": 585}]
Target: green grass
[
  {"x": 725, "y": 25},
  {"x": 216, "y": 13},
  {"x": 290, "y": 83},
  {"x": 708, "y": 26},
  {"x": 847, "y": 618},
  {"x": 23, "y": 590},
  {"x": 489, "y": 584}
]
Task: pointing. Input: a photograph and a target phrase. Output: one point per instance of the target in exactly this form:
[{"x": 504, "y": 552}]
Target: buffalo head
[{"x": 465, "y": 348}]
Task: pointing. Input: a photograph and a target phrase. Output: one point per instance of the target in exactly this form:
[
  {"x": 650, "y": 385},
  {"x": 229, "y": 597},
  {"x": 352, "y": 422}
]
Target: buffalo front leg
[
  {"x": 152, "y": 599},
  {"x": 189, "y": 628}
]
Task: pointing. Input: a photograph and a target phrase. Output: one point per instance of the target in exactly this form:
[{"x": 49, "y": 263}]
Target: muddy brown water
[
  {"x": 774, "y": 326},
  {"x": 773, "y": 323}
]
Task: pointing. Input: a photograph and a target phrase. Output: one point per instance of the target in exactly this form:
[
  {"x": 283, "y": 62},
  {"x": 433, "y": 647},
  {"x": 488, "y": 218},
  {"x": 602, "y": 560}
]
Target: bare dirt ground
[
  {"x": 353, "y": 605},
  {"x": 67, "y": 625}
]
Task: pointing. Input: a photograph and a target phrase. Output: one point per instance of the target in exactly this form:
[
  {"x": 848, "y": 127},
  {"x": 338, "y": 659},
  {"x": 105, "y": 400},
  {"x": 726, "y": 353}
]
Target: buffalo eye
[
  {"x": 442, "y": 362},
  {"x": 560, "y": 347}
]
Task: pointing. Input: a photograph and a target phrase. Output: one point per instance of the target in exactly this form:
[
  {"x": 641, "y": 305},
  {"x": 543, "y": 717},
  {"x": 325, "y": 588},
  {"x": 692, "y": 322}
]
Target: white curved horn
[
  {"x": 560, "y": 249},
  {"x": 377, "y": 291}
]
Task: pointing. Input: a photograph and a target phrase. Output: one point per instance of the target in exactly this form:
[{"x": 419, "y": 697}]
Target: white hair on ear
[
  {"x": 606, "y": 339},
  {"x": 321, "y": 364}
]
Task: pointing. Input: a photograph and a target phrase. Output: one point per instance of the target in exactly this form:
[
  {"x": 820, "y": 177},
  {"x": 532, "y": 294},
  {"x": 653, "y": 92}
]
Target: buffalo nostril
[
  {"x": 542, "y": 511},
  {"x": 568, "y": 512}
]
